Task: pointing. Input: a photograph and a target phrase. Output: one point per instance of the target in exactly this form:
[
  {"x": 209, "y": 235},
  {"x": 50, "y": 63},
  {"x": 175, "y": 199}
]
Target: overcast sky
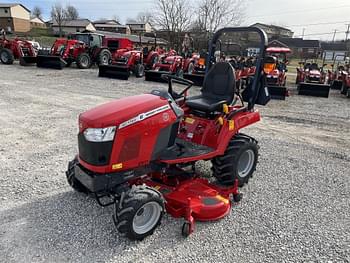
[{"x": 319, "y": 18}]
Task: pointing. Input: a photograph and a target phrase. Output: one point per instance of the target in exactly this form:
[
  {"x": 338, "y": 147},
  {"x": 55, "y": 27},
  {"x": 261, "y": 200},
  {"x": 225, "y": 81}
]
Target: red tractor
[
  {"x": 84, "y": 49},
  {"x": 276, "y": 77},
  {"x": 311, "y": 80},
  {"x": 194, "y": 68},
  {"x": 16, "y": 49},
  {"x": 345, "y": 89},
  {"x": 129, "y": 60},
  {"x": 141, "y": 151},
  {"x": 169, "y": 63},
  {"x": 337, "y": 75}
]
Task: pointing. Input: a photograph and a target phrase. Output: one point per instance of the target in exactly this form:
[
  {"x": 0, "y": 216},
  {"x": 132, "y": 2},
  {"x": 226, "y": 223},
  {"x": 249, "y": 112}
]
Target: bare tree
[
  {"x": 58, "y": 15},
  {"x": 37, "y": 12},
  {"x": 116, "y": 18},
  {"x": 174, "y": 17},
  {"x": 144, "y": 17},
  {"x": 219, "y": 13},
  {"x": 71, "y": 13}
]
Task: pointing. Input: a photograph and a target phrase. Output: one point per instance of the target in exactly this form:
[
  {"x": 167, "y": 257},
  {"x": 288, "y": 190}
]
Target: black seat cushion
[{"x": 218, "y": 88}]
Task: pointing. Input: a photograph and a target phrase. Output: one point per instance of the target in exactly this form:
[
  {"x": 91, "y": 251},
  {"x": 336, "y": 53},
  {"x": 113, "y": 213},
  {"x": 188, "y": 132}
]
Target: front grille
[
  {"x": 94, "y": 153},
  {"x": 271, "y": 81},
  {"x": 314, "y": 79}
]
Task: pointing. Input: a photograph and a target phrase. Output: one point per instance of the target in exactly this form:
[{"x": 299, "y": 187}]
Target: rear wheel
[
  {"x": 139, "y": 213},
  {"x": 344, "y": 89},
  {"x": 139, "y": 71},
  {"x": 238, "y": 162},
  {"x": 72, "y": 180},
  {"x": 180, "y": 73},
  {"x": 84, "y": 61},
  {"x": 190, "y": 68},
  {"x": 6, "y": 56},
  {"x": 104, "y": 57}
]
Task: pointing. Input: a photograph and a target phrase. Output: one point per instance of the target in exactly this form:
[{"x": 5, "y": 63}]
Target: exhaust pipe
[
  {"x": 313, "y": 89},
  {"x": 54, "y": 62},
  {"x": 113, "y": 71}
]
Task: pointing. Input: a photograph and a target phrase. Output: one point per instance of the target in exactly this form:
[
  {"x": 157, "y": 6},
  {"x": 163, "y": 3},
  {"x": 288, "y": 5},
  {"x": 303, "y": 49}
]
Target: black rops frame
[{"x": 259, "y": 61}]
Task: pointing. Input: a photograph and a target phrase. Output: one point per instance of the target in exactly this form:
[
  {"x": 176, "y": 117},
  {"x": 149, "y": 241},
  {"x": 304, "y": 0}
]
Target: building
[
  {"x": 14, "y": 18},
  {"x": 302, "y": 48},
  {"x": 137, "y": 27},
  {"x": 334, "y": 51},
  {"x": 36, "y": 22},
  {"x": 111, "y": 26},
  {"x": 73, "y": 26},
  {"x": 274, "y": 32}
]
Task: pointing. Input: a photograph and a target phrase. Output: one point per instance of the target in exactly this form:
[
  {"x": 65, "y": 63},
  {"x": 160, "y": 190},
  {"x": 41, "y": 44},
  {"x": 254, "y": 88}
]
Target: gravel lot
[{"x": 296, "y": 208}]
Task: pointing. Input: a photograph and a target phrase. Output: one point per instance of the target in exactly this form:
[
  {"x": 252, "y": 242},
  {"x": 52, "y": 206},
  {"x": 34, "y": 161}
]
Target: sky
[{"x": 318, "y": 19}]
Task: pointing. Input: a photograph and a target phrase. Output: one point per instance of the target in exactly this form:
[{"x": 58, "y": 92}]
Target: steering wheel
[{"x": 172, "y": 78}]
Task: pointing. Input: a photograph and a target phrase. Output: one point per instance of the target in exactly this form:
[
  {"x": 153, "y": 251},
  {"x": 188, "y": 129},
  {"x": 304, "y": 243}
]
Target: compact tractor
[
  {"x": 345, "y": 89},
  {"x": 276, "y": 74},
  {"x": 139, "y": 153},
  {"x": 82, "y": 48},
  {"x": 337, "y": 74},
  {"x": 169, "y": 63},
  {"x": 16, "y": 49},
  {"x": 311, "y": 80},
  {"x": 194, "y": 68},
  {"x": 129, "y": 60}
]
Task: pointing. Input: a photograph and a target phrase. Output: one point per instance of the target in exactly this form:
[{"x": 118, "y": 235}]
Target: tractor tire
[
  {"x": 6, "y": 56},
  {"x": 139, "y": 213},
  {"x": 190, "y": 68},
  {"x": 344, "y": 89},
  {"x": 84, "y": 61},
  {"x": 69, "y": 63},
  {"x": 104, "y": 58},
  {"x": 348, "y": 93},
  {"x": 72, "y": 180},
  {"x": 139, "y": 71},
  {"x": 238, "y": 162}
]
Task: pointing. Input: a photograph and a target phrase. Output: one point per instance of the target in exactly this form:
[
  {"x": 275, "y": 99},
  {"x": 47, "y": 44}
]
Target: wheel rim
[
  {"x": 84, "y": 61},
  {"x": 4, "y": 57},
  {"x": 105, "y": 59},
  {"x": 146, "y": 217},
  {"x": 245, "y": 163}
]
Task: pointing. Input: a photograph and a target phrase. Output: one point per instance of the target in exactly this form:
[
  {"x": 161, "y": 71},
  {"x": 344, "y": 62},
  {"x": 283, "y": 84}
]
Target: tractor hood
[{"x": 116, "y": 112}]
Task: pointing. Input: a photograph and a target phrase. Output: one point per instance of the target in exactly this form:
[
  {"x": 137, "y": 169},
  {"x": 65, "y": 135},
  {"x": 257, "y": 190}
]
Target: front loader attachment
[
  {"x": 54, "y": 62},
  {"x": 27, "y": 60},
  {"x": 155, "y": 75},
  {"x": 337, "y": 84},
  {"x": 114, "y": 71},
  {"x": 313, "y": 89},
  {"x": 197, "y": 79},
  {"x": 277, "y": 92}
]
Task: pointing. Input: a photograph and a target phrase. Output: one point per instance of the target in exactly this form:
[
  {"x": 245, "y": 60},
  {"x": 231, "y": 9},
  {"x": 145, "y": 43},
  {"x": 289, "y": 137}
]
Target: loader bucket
[
  {"x": 313, "y": 89},
  {"x": 25, "y": 61},
  {"x": 54, "y": 62},
  {"x": 113, "y": 71},
  {"x": 154, "y": 75},
  {"x": 277, "y": 92},
  {"x": 197, "y": 79}
]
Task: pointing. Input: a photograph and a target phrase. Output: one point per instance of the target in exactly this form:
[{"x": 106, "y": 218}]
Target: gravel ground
[{"x": 296, "y": 208}]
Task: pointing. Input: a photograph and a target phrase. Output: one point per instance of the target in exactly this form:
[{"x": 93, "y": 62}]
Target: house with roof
[
  {"x": 302, "y": 48},
  {"x": 334, "y": 50},
  {"x": 14, "y": 17},
  {"x": 111, "y": 26},
  {"x": 73, "y": 26},
  {"x": 139, "y": 28},
  {"x": 274, "y": 32},
  {"x": 37, "y": 22}
]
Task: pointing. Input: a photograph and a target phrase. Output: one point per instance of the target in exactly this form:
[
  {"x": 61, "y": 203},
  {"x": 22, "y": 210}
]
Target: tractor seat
[{"x": 218, "y": 89}]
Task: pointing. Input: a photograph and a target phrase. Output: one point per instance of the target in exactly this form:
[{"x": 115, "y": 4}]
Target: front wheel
[
  {"x": 180, "y": 73},
  {"x": 139, "y": 213},
  {"x": 84, "y": 61},
  {"x": 139, "y": 70},
  {"x": 344, "y": 89},
  {"x": 105, "y": 57},
  {"x": 72, "y": 180},
  {"x": 6, "y": 56},
  {"x": 238, "y": 162}
]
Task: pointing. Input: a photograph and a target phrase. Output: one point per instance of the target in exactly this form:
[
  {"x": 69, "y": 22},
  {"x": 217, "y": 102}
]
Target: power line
[
  {"x": 321, "y": 23},
  {"x": 321, "y": 34}
]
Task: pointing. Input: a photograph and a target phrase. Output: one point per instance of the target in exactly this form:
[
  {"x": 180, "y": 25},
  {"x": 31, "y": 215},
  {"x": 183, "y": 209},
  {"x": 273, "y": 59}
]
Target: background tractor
[
  {"x": 84, "y": 49},
  {"x": 337, "y": 74},
  {"x": 16, "y": 49},
  {"x": 141, "y": 151},
  {"x": 276, "y": 77},
  {"x": 194, "y": 68}
]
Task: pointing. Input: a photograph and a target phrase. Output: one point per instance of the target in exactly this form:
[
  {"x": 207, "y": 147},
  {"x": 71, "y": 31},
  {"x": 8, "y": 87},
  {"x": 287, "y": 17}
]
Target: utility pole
[
  {"x": 347, "y": 32},
  {"x": 302, "y": 35},
  {"x": 335, "y": 32}
]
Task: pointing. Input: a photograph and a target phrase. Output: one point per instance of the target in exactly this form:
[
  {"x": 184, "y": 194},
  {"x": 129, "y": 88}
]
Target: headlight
[{"x": 100, "y": 134}]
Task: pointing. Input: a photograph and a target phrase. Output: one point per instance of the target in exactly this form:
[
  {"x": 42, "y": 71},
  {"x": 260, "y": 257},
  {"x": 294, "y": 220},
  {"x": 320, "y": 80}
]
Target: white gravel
[{"x": 296, "y": 208}]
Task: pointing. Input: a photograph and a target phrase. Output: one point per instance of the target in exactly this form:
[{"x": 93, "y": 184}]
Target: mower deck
[{"x": 196, "y": 200}]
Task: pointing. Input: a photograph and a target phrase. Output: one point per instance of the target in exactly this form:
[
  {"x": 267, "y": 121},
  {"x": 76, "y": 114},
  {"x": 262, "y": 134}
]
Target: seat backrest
[{"x": 219, "y": 83}]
